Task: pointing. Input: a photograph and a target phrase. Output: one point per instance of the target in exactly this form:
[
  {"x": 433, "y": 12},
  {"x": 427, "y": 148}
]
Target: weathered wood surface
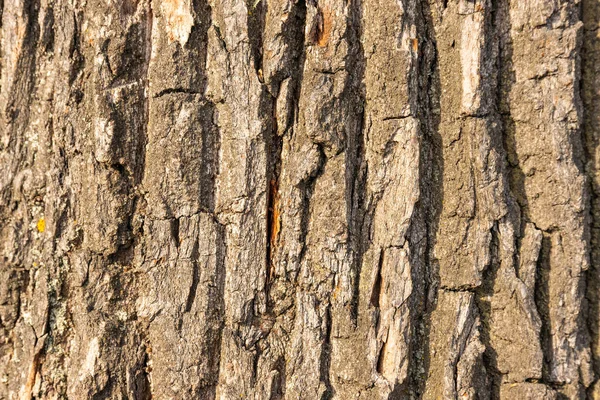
[{"x": 299, "y": 199}]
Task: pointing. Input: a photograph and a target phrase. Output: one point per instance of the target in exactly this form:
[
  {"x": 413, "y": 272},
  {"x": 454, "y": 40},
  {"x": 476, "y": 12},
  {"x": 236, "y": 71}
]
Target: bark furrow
[{"x": 299, "y": 199}]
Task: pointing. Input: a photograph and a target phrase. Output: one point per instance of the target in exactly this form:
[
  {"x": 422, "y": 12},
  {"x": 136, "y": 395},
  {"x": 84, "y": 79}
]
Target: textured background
[{"x": 299, "y": 199}]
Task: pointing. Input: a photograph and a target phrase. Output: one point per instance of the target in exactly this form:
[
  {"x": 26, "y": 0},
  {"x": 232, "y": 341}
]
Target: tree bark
[{"x": 299, "y": 199}]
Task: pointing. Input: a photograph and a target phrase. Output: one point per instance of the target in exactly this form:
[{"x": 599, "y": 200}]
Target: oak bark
[{"x": 299, "y": 199}]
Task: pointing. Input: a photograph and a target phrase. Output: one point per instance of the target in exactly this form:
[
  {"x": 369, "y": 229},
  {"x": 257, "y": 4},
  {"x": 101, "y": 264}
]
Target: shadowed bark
[{"x": 299, "y": 199}]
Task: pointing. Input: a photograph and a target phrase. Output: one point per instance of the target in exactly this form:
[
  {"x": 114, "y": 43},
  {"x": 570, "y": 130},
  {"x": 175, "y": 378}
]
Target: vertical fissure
[
  {"x": 589, "y": 90},
  {"x": 257, "y": 10},
  {"x": 483, "y": 295},
  {"x": 146, "y": 84},
  {"x": 542, "y": 302},
  {"x": 145, "y": 389},
  {"x": 428, "y": 208},
  {"x": 142, "y": 383},
  {"x": 356, "y": 177},
  {"x": 381, "y": 358},
  {"x": 376, "y": 291},
  {"x": 273, "y": 144},
  {"x": 195, "y": 278},
  {"x": 219, "y": 309},
  {"x": 307, "y": 187},
  {"x": 325, "y": 358}
]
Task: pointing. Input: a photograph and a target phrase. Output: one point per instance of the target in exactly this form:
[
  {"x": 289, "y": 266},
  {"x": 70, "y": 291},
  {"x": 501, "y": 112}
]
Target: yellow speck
[{"x": 41, "y": 225}]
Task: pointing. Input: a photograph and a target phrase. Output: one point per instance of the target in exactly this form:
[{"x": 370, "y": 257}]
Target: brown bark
[{"x": 299, "y": 199}]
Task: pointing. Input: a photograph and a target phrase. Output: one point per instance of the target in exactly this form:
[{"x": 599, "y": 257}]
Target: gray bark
[{"x": 299, "y": 199}]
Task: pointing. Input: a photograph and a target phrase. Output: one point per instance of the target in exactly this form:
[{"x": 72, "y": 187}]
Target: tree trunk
[{"x": 299, "y": 199}]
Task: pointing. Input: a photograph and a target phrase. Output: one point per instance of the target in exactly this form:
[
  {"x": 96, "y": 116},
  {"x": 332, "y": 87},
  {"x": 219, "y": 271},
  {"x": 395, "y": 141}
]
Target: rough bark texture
[{"x": 299, "y": 199}]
